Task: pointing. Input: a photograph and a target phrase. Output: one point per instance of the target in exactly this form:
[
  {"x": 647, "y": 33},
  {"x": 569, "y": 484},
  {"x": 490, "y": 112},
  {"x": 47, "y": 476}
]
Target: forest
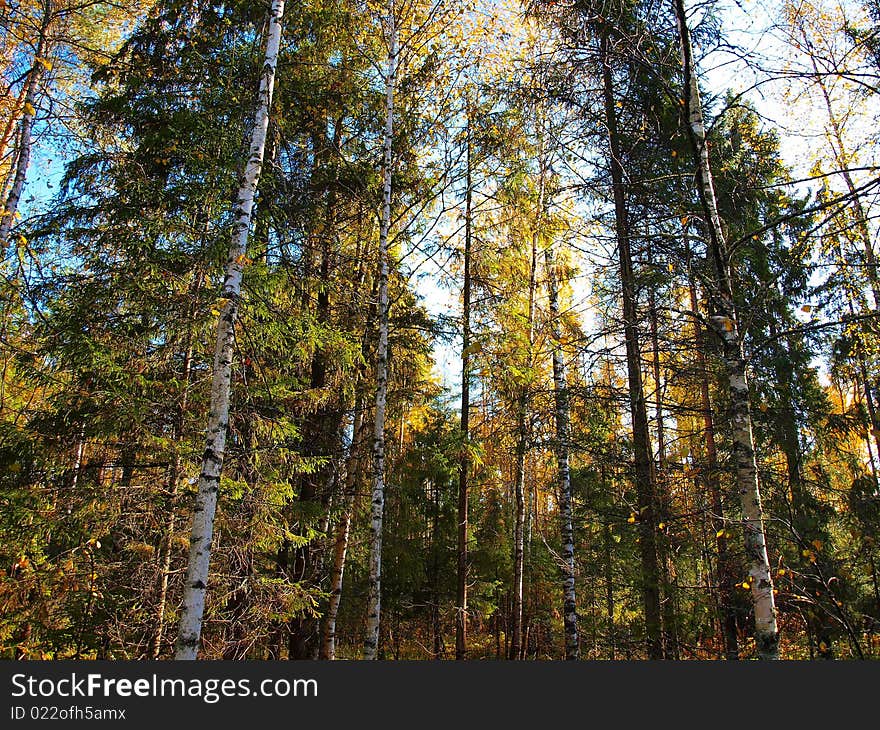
[{"x": 439, "y": 329}]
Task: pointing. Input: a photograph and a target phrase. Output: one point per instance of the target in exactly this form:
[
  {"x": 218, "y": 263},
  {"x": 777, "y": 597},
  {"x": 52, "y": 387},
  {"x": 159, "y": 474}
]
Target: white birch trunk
[
  {"x": 371, "y": 639},
  {"x": 560, "y": 393},
  {"x": 190, "y": 628},
  {"x": 25, "y": 136},
  {"x": 723, "y": 318}
]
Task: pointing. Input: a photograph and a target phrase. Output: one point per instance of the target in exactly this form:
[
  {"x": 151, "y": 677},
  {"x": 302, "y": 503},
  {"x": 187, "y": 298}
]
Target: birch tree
[
  {"x": 195, "y": 587},
  {"x": 563, "y": 418},
  {"x": 377, "y": 501},
  {"x": 723, "y": 318},
  {"x": 22, "y": 150}
]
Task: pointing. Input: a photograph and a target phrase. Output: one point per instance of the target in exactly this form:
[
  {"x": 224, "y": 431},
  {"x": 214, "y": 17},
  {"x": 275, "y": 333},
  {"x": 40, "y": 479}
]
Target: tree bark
[
  {"x": 665, "y": 556},
  {"x": 647, "y": 518},
  {"x": 562, "y": 418},
  {"x": 566, "y": 520},
  {"x": 522, "y": 445},
  {"x": 343, "y": 531},
  {"x": 464, "y": 459},
  {"x": 371, "y": 640},
  {"x": 190, "y": 628},
  {"x": 710, "y": 478},
  {"x": 724, "y": 320},
  {"x": 9, "y": 210}
]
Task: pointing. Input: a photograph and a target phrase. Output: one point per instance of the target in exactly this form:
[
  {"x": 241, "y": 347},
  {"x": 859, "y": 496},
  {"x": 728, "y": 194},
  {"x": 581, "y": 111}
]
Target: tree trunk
[
  {"x": 647, "y": 518},
  {"x": 195, "y": 587},
  {"x": 566, "y": 520},
  {"x": 9, "y": 209},
  {"x": 724, "y": 320},
  {"x": 343, "y": 531},
  {"x": 665, "y": 556},
  {"x": 371, "y": 640},
  {"x": 522, "y": 445},
  {"x": 463, "y": 464},
  {"x": 710, "y": 478},
  {"x": 562, "y": 417}
]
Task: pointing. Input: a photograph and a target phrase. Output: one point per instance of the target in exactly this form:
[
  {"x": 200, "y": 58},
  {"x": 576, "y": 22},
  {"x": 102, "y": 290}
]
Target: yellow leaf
[
  {"x": 631, "y": 519},
  {"x": 44, "y": 62},
  {"x": 662, "y": 525},
  {"x": 745, "y": 584},
  {"x": 720, "y": 533},
  {"x": 817, "y": 544},
  {"x": 29, "y": 108},
  {"x": 780, "y": 572},
  {"x": 807, "y": 308}
]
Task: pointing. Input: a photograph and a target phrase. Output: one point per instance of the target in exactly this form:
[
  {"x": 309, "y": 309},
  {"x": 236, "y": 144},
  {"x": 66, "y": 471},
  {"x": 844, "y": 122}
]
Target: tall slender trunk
[
  {"x": 665, "y": 557},
  {"x": 464, "y": 459},
  {"x": 645, "y": 491},
  {"x": 710, "y": 481},
  {"x": 724, "y": 319},
  {"x": 566, "y": 519},
  {"x": 9, "y": 209},
  {"x": 195, "y": 587},
  {"x": 522, "y": 446},
  {"x": 371, "y": 640},
  {"x": 562, "y": 417},
  {"x": 343, "y": 531},
  {"x": 356, "y": 459}
]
